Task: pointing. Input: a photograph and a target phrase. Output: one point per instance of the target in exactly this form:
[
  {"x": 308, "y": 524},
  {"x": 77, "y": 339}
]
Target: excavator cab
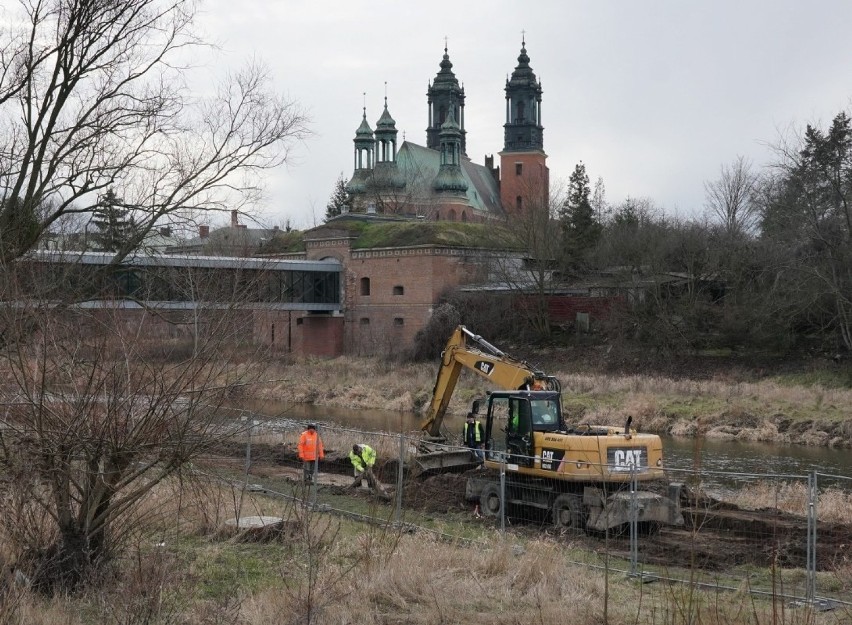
[{"x": 511, "y": 420}]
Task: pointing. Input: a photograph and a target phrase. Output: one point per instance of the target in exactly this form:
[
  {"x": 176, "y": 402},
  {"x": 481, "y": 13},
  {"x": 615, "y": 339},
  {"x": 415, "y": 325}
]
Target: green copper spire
[
  {"x": 523, "y": 130},
  {"x": 450, "y": 177},
  {"x": 444, "y": 95}
]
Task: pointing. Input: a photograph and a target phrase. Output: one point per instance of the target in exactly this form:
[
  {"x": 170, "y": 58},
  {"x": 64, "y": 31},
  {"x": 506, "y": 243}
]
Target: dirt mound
[
  {"x": 260, "y": 452},
  {"x": 439, "y": 493}
]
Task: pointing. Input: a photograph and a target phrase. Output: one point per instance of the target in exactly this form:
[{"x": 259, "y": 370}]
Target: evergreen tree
[
  {"x": 114, "y": 225},
  {"x": 19, "y": 226},
  {"x": 580, "y": 226},
  {"x": 339, "y": 201},
  {"x": 808, "y": 216},
  {"x": 628, "y": 215}
]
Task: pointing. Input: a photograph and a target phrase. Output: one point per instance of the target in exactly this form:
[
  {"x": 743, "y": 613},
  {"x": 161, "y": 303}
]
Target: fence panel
[
  {"x": 741, "y": 531},
  {"x": 832, "y": 547},
  {"x": 745, "y": 532}
]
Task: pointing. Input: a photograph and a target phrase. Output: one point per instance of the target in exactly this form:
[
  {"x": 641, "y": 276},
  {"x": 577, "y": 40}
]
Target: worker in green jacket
[{"x": 363, "y": 458}]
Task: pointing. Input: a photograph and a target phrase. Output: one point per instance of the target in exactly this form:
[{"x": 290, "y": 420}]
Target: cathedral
[{"x": 438, "y": 181}]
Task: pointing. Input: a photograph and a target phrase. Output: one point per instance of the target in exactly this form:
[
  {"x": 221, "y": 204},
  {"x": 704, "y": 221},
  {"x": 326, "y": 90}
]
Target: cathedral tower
[
  {"x": 445, "y": 95},
  {"x": 386, "y": 175},
  {"x": 524, "y": 176},
  {"x": 450, "y": 179}
]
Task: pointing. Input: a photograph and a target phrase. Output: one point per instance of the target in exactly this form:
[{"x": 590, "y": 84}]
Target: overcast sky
[{"x": 653, "y": 95}]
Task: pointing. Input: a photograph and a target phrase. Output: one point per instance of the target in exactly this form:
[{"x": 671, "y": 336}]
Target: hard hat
[{"x": 312, "y": 426}]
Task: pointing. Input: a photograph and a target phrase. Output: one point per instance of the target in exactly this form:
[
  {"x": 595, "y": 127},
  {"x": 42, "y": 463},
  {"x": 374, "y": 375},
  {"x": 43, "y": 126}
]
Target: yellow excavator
[{"x": 588, "y": 476}]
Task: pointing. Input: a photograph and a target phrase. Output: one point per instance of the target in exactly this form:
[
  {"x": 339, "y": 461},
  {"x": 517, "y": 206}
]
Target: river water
[{"x": 680, "y": 453}]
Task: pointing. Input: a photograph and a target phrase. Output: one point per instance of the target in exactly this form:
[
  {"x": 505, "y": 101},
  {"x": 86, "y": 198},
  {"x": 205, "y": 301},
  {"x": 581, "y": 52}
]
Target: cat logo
[
  {"x": 551, "y": 459},
  {"x": 627, "y": 458},
  {"x": 483, "y": 366}
]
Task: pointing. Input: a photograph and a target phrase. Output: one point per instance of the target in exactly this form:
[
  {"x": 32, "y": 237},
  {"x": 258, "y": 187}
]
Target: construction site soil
[{"x": 716, "y": 536}]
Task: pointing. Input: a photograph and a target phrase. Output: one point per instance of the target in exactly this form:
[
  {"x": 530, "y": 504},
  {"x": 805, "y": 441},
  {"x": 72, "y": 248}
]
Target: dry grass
[
  {"x": 332, "y": 571},
  {"x": 719, "y": 407},
  {"x": 833, "y": 504},
  {"x": 352, "y": 382},
  {"x": 423, "y": 582}
]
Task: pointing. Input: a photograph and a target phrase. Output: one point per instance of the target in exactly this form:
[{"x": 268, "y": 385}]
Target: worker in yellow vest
[
  {"x": 363, "y": 457},
  {"x": 473, "y": 435}
]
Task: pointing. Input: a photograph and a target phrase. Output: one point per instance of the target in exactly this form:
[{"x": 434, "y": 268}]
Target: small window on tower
[
  {"x": 519, "y": 202},
  {"x": 519, "y": 169},
  {"x": 398, "y": 321},
  {"x": 365, "y": 286},
  {"x": 399, "y": 290}
]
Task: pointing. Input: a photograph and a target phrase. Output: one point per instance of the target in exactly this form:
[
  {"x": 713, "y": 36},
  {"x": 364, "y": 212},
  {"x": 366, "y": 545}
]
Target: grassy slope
[
  {"x": 402, "y": 233},
  {"x": 767, "y": 409}
]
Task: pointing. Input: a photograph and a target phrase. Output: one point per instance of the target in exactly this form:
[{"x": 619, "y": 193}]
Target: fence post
[
  {"x": 398, "y": 512},
  {"x": 810, "y": 592},
  {"x": 248, "y": 443},
  {"x": 503, "y": 496},
  {"x": 634, "y": 528}
]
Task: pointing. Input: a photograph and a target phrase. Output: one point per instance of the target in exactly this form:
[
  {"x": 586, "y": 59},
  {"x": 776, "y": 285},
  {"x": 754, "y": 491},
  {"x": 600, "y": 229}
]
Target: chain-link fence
[{"x": 787, "y": 536}]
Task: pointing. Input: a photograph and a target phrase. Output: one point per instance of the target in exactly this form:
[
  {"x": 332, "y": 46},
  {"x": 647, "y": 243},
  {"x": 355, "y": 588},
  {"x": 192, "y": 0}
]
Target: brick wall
[
  {"x": 320, "y": 335},
  {"x": 284, "y": 331},
  {"x": 403, "y": 286},
  {"x": 534, "y": 177},
  {"x": 564, "y": 308}
]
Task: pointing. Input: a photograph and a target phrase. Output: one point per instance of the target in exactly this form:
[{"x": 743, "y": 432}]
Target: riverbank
[{"x": 721, "y": 405}]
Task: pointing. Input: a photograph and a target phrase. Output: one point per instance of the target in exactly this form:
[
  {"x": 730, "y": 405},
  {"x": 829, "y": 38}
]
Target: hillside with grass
[{"x": 807, "y": 407}]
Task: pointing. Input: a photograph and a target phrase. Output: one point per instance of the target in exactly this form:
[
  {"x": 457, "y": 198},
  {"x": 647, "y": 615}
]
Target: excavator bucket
[
  {"x": 432, "y": 458},
  {"x": 619, "y": 508}
]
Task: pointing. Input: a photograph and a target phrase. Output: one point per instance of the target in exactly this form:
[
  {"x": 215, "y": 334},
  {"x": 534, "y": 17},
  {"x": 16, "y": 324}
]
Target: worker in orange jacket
[{"x": 310, "y": 451}]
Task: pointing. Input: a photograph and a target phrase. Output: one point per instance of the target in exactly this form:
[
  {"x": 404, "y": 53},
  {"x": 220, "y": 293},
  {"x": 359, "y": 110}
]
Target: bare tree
[
  {"x": 632, "y": 237},
  {"x": 529, "y": 268},
  {"x": 730, "y": 198},
  {"x": 102, "y": 405},
  {"x": 92, "y": 95},
  {"x": 599, "y": 203}
]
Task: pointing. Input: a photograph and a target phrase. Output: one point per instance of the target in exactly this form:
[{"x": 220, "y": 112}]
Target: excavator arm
[{"x": 485, "y": 360}]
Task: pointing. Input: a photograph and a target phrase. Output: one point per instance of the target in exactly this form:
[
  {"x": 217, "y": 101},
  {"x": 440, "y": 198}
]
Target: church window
[
  {"x": 521, "y": 111},
  {"x": 399, "y": 290},
  {"x": 365, "y": 286},
  {"x": 519, "y": 169}
]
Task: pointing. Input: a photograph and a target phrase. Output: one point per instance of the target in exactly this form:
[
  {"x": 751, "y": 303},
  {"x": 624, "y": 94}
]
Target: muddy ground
[{"x": 716, "y": 536}]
